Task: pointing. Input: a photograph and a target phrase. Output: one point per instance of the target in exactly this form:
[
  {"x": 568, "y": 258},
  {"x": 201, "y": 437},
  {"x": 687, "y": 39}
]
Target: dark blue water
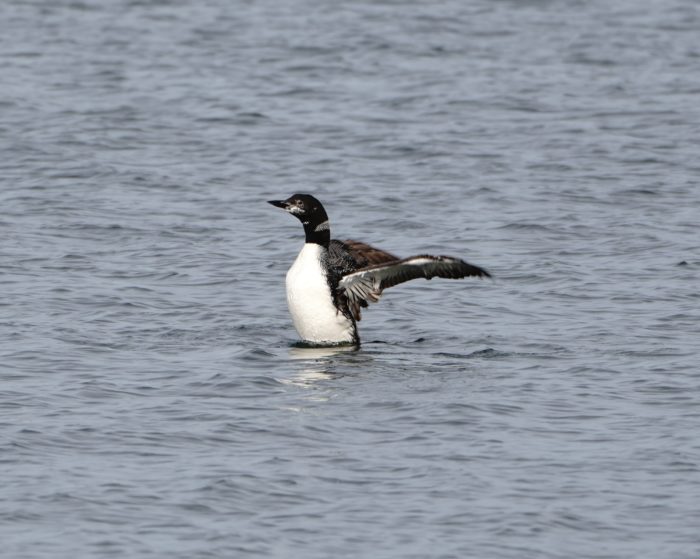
[{"x": 152, "y": 402}]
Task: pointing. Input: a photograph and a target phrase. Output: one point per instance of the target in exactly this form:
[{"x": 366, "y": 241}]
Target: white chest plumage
[{"x": 310, "y": 302}]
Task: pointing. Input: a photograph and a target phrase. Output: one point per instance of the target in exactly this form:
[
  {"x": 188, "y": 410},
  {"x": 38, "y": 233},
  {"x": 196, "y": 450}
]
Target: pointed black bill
[{"x": 278, "y": 203}]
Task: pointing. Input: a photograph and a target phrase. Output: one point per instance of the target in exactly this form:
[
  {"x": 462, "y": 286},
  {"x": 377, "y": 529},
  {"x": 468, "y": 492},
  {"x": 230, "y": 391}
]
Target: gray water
[{"x": 152, "y": 401}]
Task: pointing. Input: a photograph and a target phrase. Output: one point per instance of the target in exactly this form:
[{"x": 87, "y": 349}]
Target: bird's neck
[{"x": 318, "y": 232}]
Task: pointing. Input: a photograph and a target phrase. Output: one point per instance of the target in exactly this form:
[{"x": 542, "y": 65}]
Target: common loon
[{"x": 331, "y": 280}]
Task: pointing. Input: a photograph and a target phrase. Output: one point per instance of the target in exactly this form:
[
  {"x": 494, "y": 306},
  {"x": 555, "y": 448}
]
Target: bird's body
[
  {"x": 331, "y": 280},
  {"x": 310, "y": 300}
]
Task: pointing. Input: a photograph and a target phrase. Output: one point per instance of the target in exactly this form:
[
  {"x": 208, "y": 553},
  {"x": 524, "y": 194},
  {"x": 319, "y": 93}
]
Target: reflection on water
[
  {"x": 306, "y": 353},
  {"x": 318, "y": 363}
]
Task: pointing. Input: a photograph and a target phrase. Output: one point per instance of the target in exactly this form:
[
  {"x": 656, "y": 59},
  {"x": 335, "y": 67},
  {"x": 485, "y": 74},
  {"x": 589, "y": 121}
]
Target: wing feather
[
  {"x": 367, "y": 255},
  {"x": 346, "y": 257},
  {"x": 366, "y": 284}
]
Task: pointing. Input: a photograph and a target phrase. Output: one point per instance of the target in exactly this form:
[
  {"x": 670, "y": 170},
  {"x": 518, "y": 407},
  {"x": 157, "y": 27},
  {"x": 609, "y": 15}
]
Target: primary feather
[{"x": 366, "y": 284}]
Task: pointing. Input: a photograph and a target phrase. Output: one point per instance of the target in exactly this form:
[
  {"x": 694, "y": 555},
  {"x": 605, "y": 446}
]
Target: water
[{"x": 152, "y": 401}]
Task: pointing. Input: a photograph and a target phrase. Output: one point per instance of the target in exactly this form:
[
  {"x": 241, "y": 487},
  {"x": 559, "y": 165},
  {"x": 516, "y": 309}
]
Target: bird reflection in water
[{"x": 320, "y": 363}]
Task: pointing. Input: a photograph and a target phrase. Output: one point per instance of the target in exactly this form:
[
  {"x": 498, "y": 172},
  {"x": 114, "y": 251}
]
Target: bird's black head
[
  {"x": 303, "y": 206},
  {"x": 312, "y": 215}
]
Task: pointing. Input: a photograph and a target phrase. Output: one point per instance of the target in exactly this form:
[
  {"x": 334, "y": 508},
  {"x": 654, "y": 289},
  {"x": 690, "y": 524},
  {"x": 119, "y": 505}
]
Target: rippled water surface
[{"x": 152, "y": 401}]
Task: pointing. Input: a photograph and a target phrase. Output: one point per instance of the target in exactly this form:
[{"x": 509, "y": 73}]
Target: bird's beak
[{"x": 278, "y": 203}]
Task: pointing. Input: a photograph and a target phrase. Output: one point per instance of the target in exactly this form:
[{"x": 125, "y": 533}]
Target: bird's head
[{"x": 304, "y": 207}]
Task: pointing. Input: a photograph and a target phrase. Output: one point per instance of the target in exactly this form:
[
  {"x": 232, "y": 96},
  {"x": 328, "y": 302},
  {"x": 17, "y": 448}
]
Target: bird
[{"x": 331, "y": 281}]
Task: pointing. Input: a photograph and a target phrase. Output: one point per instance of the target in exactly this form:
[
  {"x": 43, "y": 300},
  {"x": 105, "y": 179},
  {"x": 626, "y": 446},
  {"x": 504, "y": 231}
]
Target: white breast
[{"x": 309, "y": 298}]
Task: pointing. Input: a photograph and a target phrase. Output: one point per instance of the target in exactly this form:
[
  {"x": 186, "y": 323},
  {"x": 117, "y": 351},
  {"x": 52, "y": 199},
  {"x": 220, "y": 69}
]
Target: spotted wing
[
  {"x": 347, "y": 257},
  {"x": 341, "y": 262},
  {"x": 366, "y": 284}
]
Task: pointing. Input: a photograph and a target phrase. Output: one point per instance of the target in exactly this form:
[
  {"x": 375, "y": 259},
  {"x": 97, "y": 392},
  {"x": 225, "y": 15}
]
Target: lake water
[{"x": 152, "y": 401}]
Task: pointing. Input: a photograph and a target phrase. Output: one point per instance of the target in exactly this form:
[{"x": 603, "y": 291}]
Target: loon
[{"x": 331, "y": 280}]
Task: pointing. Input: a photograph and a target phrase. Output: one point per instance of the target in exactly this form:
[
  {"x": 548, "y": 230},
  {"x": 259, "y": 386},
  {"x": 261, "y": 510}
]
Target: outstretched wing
[{"x": 366, "y": 284}]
